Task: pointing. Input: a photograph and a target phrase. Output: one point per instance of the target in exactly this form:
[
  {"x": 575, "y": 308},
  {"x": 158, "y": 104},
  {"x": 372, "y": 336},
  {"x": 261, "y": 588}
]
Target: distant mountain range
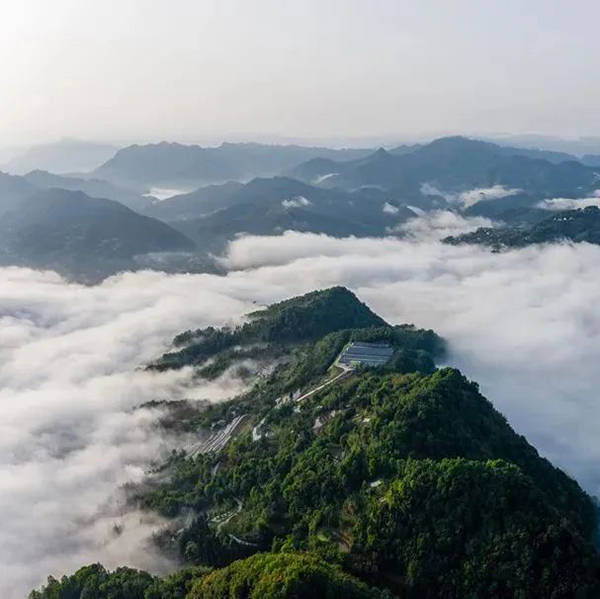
[
  {"x": 360, "y": 193},
  {"x": 81, "y": 237},
  {"x": 451, "y": 164},
  {"x": 172, "y": 164},
  {"x": 13, "y": 190},
  {"x": 372, "y": 194},
  {"x": 271, "y": 206},
  {"x": 92, "y": 187},
  {"x": 198, "y": 203},
  {"x": 64, "y": 156},
  {"x": 574, "y": 146}
]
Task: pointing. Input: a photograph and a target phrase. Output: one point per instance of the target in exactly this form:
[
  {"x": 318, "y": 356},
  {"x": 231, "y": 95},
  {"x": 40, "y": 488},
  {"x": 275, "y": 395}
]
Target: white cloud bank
[
  {"x": 68, "y": 436},
  {"x": 165, "y": 193},
  {"x": 438, "y": 224},
  {"x": 252, "y": 250},
  {"x": 471, "y": 196},
  {"x": 524, "y": 324},
  {"x": 557, "y": 204}
]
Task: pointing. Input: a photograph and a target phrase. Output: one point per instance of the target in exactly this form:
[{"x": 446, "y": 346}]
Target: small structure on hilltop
[{"x": 367, "y": 354}]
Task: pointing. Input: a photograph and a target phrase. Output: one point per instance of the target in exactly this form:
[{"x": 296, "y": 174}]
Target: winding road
[{"x": 346, "y": 370}]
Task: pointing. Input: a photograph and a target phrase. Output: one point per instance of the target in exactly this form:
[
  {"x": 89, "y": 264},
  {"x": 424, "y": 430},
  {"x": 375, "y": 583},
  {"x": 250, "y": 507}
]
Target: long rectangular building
[{"x": 369, "y": 354}]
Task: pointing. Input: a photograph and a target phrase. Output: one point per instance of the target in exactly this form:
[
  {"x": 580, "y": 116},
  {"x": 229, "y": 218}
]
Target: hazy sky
[{"x": 200, "y": 69}]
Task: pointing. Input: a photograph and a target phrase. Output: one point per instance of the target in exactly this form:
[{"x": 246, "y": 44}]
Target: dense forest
[
  {"x": 401, "y": 480},
  {"x": 303, "y": 318},
  {"x": 262, "y": 576},
  {"x": 412, "y": 476},
  {"x": 569, "y": 225}
]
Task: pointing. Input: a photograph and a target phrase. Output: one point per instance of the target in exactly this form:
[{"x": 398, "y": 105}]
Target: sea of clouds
[
  {"x": 69, "y": 436},
  {"x": 523, "y": 323}
]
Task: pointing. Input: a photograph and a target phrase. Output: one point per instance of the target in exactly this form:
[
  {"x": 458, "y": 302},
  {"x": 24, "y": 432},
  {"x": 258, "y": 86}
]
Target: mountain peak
[
  {"x": 315, "y": 314},
  {"x": 299, "y": 319}
]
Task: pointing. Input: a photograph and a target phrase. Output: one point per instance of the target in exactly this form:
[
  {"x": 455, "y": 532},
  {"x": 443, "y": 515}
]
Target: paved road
[
  {"x": 242, "y": 542},
  {"x": 346, "y": 370},
  {"x": 224, "y": 518},
  {"x": 218, "y": 440}
]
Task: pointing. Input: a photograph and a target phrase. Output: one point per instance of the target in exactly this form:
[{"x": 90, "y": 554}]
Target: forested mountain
[
  {"x": 210, "y": 216},
  {"x": 538, "y": 147},
  {"x": 267, "y": 576},
  {"x": 13, "y": 190},
  {"x": 172, "y": 164},
  {"x": 403, "y": 477},
  {"x": 513, "y": 208},
  {"x": 452, "y": 163},
  {"x": 81, "y": 237},
  {"x": 196, "y": 204},
  {"x": 95, "y": 188},
  {"x": 271, "y": 206},
  {"x": 372, "y": 195},
  {"x": 292, "y": 321},
  {"x": 569, "y": 225}
]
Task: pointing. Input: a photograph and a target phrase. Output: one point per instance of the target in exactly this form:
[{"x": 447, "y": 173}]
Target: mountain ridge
[
  {"x": 63, "y": 156},
  {"x": 575, "y": 226},
  {"x": 81, "y": 237},
  {"x": 270, "y": 206},
  {"x": 400, "y": 480},
  {"x": 454, "y": 163},
  {"x": 96, "y": 188},
  {"x": 166, "y": 163}
]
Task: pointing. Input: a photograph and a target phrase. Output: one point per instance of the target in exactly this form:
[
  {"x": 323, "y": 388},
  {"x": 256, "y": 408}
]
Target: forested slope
[{"x": 403, "y": 477}]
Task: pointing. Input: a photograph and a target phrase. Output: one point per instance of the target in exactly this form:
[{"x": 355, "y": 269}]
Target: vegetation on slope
[
  {"x": 402, "y": 476},
  {"x": 466, "y": 497},
  {"x": 263, "y": 576},
  {"x": 292, "y": 321},
  {"x": 81, "y": 237},
  {"x": 455, "y": 163},
  {"x": 279, "y": 576},
  {"x": 272, "y": 206},
  {"x": 569, "y": 225}
]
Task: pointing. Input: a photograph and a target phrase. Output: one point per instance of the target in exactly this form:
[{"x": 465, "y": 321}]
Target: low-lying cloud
[
  {"x": 472, "y": 196},
  {"x": 252, "y": 251},
  {"x": 68, "y": 435},
  {"x": 523, "y": 323},
  {"x": 164, "y": 193},
  {"x": 390, "y": 208},
  {"x": 296, "y": 202},
  {"x": 558, "y": 204},
  {"x": 438, "y": 224}
]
